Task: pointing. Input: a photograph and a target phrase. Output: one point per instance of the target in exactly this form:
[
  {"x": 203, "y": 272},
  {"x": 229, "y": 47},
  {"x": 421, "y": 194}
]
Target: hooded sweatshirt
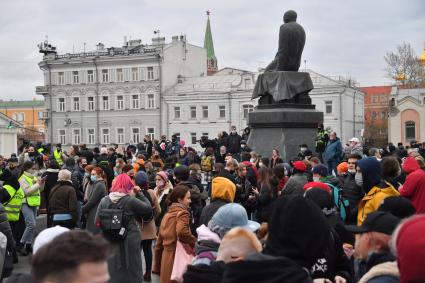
[
  {"x": 376, "y": 190},
  {"x": 414, "y": 186}
]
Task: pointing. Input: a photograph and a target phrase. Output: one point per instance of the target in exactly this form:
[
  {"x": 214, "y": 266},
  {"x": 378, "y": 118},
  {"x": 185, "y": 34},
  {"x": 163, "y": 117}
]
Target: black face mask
[
  {"x": 232, "y": 172},
  {"x": 31, "y": 153}
]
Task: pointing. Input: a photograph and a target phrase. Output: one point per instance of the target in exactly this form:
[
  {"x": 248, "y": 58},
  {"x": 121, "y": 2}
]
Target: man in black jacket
[
  {"x": 352, "y": 192},
  {"x": 234, "y": 143}
]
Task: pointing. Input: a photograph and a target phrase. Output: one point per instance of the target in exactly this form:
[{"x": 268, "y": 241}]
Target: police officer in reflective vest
[
  {"x": 31, "y": 187},
  {"x": 57, "y": 154}
]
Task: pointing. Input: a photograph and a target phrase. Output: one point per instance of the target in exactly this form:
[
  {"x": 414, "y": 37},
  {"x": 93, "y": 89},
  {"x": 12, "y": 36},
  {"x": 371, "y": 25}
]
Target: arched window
[
  {"x": 374, "y": 115},
  {"x": 410, "y": 130}
]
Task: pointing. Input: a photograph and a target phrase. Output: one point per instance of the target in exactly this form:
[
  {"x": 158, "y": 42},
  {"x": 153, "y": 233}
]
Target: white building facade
[
  {"x": 341, "y": 103},
  {"x": 205, "y": 106},
  {"x": 113, "y": 95}
]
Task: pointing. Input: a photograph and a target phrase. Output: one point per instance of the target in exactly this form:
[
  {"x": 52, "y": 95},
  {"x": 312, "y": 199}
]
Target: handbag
[{"x": 181, "y": 260}]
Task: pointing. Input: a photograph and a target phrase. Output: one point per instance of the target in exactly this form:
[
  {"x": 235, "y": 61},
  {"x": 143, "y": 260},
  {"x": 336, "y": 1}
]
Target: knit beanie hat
[
  {"x": 342, "y": 167},
  {"x": 299, "y": 165},
  {"x": 320, "y": 169},
  {"x": 163, "y": 175},
  {"x": 141, "y": 178},
  {"x": 398, "y": 206},
  {"x": 410, "y": 245}
]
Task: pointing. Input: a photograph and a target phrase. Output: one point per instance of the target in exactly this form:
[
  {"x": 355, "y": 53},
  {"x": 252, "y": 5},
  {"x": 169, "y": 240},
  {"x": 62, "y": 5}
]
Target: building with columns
[{"x": 113, "y": 95}]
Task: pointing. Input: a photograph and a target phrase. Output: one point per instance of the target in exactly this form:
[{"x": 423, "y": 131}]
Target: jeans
[
  {"x": 29, "y": 212},
  {"x": 147, "y": 251},
  {"x": 332, "y": 167}
]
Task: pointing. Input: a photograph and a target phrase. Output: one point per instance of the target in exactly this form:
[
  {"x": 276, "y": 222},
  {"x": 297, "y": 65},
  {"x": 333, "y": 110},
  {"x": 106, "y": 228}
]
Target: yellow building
[{"x": 29, "y": 113}]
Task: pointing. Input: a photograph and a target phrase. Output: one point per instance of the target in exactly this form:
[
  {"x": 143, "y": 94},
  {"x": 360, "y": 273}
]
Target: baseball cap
[
  {"x": 234, "y": 215},
  {"x": 354, "y": 139},
  {"x": 378, "y": 221},
  {"x": 46, "y": 236}
]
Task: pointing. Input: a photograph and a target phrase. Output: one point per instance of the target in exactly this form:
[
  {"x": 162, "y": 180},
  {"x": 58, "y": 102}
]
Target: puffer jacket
[
  {"x": 373, "y": 199},
  {"x": 414, "y": 186},
  {"x": 333, "y": 151},
  {"x": 206, "y": 248}
]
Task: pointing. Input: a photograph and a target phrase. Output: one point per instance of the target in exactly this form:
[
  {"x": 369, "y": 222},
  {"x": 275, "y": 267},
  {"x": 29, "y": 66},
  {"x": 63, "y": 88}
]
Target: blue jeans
[
  {"x": 332, "y": 164},
  {"x": 29, "y": 212}
]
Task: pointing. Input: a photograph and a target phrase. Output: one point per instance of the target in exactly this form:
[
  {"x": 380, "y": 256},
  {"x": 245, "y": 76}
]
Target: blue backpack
[{"x": 341, "y": 203}]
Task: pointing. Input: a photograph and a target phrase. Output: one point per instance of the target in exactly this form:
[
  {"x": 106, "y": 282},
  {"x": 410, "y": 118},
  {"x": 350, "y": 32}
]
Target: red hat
[
  {"x": 410, "y": 244},
  {"x": 319, "y": 185},
  {"x": 299, "y": 165}
]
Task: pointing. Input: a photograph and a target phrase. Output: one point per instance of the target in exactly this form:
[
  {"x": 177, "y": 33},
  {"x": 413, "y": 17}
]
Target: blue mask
[{"x": 93, "y": 178}]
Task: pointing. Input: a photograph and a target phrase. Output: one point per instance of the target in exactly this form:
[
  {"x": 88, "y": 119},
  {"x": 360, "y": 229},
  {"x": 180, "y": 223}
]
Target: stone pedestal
[{"x": 284, "y": 127}]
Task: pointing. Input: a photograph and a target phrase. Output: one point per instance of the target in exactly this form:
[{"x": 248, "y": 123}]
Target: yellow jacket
[{"x": 373, "y": 199}]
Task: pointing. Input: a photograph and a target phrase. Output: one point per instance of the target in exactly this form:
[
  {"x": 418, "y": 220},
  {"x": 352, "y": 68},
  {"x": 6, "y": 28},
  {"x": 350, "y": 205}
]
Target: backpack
[
  {"x": 206, "y": 164},
  {"x": 340, "y": 201},
  {"x": 113, "y": 222}
]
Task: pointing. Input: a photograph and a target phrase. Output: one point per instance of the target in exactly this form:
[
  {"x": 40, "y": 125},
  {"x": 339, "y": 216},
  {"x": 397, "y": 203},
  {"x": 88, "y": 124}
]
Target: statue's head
[{"x": 290, "y": 16}]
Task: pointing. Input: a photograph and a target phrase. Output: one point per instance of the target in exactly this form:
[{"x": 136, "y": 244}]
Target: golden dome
[
  {"x": 400, "y": 77},
  {"x": 421, "y": 58}
]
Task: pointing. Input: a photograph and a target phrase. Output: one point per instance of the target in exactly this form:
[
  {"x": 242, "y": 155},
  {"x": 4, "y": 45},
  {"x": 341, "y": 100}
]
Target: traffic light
[{"x": 10, "y": 126}]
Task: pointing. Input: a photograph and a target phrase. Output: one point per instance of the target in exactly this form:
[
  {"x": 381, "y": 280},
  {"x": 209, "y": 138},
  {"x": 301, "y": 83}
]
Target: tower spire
[{"x": 209, "y": 46}]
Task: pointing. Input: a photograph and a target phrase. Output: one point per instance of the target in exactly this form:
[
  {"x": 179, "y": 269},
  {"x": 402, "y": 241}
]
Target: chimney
[{"x": 125, "y": 40}]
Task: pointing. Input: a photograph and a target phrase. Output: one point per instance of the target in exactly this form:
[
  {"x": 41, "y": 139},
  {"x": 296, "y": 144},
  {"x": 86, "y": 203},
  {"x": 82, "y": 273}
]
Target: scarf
[{"x": 115, "y": 196}]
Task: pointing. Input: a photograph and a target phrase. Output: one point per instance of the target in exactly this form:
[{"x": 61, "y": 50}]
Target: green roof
[
  {"x": 208, "y": 41},
  {"x": 21, "y": 104}
]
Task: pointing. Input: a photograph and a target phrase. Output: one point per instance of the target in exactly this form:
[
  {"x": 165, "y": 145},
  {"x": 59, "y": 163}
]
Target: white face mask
[
  {"x": 352, "y": 171},
  {"x": 159, "y": 183},
  {"x": 358, "y": 179},
  {"x": 316, "y": 179},
  {"x": 252, "y": 160}
]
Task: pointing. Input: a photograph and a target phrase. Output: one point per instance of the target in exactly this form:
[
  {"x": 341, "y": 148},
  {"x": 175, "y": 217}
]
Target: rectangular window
[
  {"x": 222, "y": 111},
  {"x": 105, "y": 102},
  {"x": 135, "y": 74},
  {"x": 61, "y": 104},
  {"x": 90, "y": 103},
  {"x": 120, "y": 76},
  {"x": 150, "y": 73},
  {"x": 135, "y": 135},
  {"x": 105, "y": 136},
  {"x": 62, "y": 137},
  {"x": 204, "y": 111},
  {"x": 328, "y": 107},
  {"x": 193, "y": 138},
  {"x": 151, "y": 133},
  {"x": 61, "y": 78},
  {"x": 383, "y": 98},
  {"x": 120, "y": 102},
  {"x": 177, "y": 112},
  {"x": 410, "y": 127},
  {"x": 18, "y": 116},
  {"x": 383, "y": 115},
  {"x": 135, "y": 101},
  {"x": 90, "y": 135},
  {"x": 205, "y": 135},
  {"x": 75, "y": 77},
  {"x": 247, "y": 83},
  {"x": 105, "y": 76},
  {"x": 120, "y": 135},
  {"x": 76, "y": 104},
  {"x": 90, "y": 77},
  {"x": 40, "y": 115},
  {"x": 76, "y": 136},
  {"x": 374, "y": 99},
  {"x": 246, "y": 109},
  {"x": 374, "y": 115},
  {"x": 151, "y": 101},
  {"x": 193, "y": 112}
]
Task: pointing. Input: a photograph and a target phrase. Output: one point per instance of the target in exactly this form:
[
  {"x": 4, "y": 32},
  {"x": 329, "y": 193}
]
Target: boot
[
  {"x": 21, "y": 251},
  {"x": 15, "y": 257},
  {"x": 28, "y": 248},
  {"x": 147, "y": 276}
]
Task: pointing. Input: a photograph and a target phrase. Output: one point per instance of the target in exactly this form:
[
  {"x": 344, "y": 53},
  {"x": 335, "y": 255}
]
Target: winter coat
[
  {"x": 265, "y": 203},
  {"x": 206, "y": 248},
  {"x": 265, "y": 269},
  {"x": 63, "y": 200},
  {"x": 373, "y": 199},
  {"x": 333, "y": 151},
  {"x": 96, "y": 192},
  {"x": 205, "y": 273},
  {"x": 414, "y": 186},
  {"x": 380, "y": 268},
  {"x": 234, "y": 143},
  {"x": 148, "y": 230},
  {"x": 174, "y": 226},
  {"x": 162, "y": 195},
  {"x": 6, "y": 230},
  {"x": 51, "y": 181},
  {"x": 77, "y": 178},
  {"x": 126, "y": 263},
  {"x": 273, "y": 162},
  {"x": 295, "y": 185},
  {"x": 353, "y": 193}
]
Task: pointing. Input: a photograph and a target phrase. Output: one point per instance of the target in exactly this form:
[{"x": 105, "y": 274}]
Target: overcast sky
[{"x": 347, "y": 38}]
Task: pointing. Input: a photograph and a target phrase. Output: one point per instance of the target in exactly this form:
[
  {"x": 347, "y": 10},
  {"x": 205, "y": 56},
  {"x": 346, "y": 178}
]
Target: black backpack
[{"x": 113, "y": 221}]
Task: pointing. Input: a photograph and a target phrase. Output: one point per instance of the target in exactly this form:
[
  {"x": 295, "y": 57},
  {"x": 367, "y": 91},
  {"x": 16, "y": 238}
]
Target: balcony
[{"x": 41, "y": 90}]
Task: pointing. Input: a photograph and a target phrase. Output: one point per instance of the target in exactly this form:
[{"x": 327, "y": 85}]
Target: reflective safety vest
[
  {"x": 14, "y": 205},
  {"x": 58, "y": 157},
  {"x": 34, "y": 199}
]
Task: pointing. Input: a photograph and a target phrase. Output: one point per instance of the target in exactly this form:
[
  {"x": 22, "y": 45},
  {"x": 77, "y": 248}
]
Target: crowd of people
[{"x": 334, "y": 213}]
